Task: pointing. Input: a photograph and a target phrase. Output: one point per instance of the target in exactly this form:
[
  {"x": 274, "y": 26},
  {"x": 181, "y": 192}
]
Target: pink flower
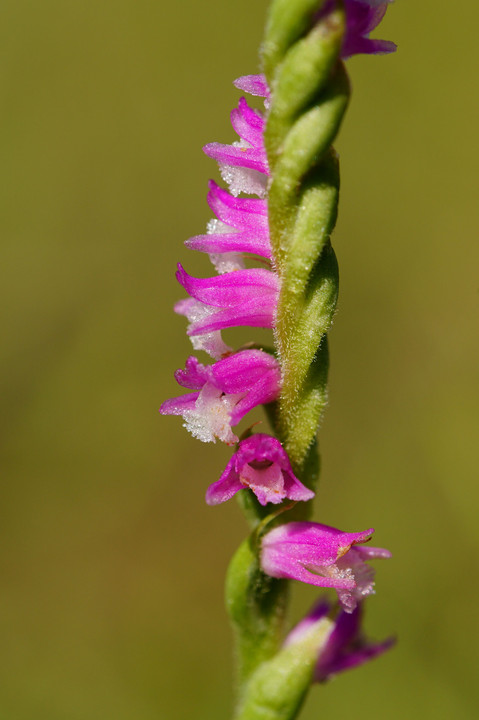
[
  {"x": 243, "y": 297},
  {"x": 253, "y": 85},
  {"x": 261, "y": 464},
  {"x": 241, "y": 226},
  {"x": 362, "y": 16},
  {"x": 324, "y": 556},
  {"x": 346, "y": 647},
  {"x": 243, "y": 165},
  {"x": 223, "y": 393}
]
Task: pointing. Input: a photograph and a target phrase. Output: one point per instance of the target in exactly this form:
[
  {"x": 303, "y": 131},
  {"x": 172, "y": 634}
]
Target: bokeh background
[{"x": 111, "y": 565}]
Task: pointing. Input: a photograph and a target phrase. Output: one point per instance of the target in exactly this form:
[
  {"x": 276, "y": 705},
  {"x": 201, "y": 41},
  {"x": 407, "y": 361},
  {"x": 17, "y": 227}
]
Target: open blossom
[
  {"x": 346, "y": 646},
  {"x": 223, "y": 393},
  {"x": 261, "y": 464},
  {"x": 324, "y": 556}
]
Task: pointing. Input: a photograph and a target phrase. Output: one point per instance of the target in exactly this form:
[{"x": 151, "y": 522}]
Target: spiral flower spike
[
  {"x": 285, "y": 157},
  {"x": 309, "y": 95}
]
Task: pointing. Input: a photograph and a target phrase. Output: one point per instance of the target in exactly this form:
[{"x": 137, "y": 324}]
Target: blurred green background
[{"x": 111, "y": 565}]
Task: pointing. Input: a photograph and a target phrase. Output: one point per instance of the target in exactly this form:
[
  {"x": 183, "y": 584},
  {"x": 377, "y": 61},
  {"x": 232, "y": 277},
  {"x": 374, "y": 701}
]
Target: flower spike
[{"x": 270, "y": 245}]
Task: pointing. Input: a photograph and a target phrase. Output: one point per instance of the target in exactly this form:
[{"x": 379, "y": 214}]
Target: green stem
[
  {"x": 256, "y": 604},
  {"x": 309, "y": 95}
]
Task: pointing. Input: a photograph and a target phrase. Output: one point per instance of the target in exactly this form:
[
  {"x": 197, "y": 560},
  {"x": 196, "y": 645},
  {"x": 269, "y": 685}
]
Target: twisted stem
[
  {"x": 310, "y": 92},
  {"x": 309, "y": 95}
]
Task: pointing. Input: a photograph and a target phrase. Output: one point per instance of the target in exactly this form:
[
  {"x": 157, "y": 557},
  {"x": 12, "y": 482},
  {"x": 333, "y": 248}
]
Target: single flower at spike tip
[
  {"x": 362, "y": 16},
  {"x": 241, "y": 298},
  {"x": 323, "y": 556},
  {"x": 261, "y": 464},
  {"x": 346, "y": 646},
  {"x": 223, "y": 393}
]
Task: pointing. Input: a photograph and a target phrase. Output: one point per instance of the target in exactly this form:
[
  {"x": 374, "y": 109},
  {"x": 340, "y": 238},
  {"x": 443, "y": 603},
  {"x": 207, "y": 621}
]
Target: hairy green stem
[{"x": 309, "y": 95}]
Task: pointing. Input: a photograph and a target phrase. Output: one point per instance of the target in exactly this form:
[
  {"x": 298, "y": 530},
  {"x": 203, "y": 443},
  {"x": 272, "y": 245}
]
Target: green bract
[{"x": 309, "y": 95}]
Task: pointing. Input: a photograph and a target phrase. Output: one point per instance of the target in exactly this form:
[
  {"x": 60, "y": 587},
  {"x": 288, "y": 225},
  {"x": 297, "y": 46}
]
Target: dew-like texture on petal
[
  {"x": 261, "y": 464},
  {"x": 322, "y": 556},
  {"x": 243, "y": 164},
  {"x": 179, "y": 405},
  {"x": 211, "y": 416},
  {"x": 230, "y": 242},
  {"x": 227, "y": 262},
  {"x": 239, "y": 154},
  {"x": 244, "y": 180},
  {"x": 210, "y": 342},
  {"x": 256, "y": 312}
]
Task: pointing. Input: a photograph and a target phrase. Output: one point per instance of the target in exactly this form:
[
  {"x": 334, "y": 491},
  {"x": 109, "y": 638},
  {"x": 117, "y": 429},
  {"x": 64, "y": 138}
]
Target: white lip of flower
[
  {"x": 211, "y": 342},
  {"x": 211, "y": 417},
  {"x": 245, "y": 180},
  {"x": 224, "y": 262},
  {"x": 270, "y": 476},
  {"x": 331, "y": 571}
]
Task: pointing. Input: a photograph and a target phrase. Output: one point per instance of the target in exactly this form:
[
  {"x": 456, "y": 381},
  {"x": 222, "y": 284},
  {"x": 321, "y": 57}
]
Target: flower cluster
[{"x": 222, "y": 393}]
